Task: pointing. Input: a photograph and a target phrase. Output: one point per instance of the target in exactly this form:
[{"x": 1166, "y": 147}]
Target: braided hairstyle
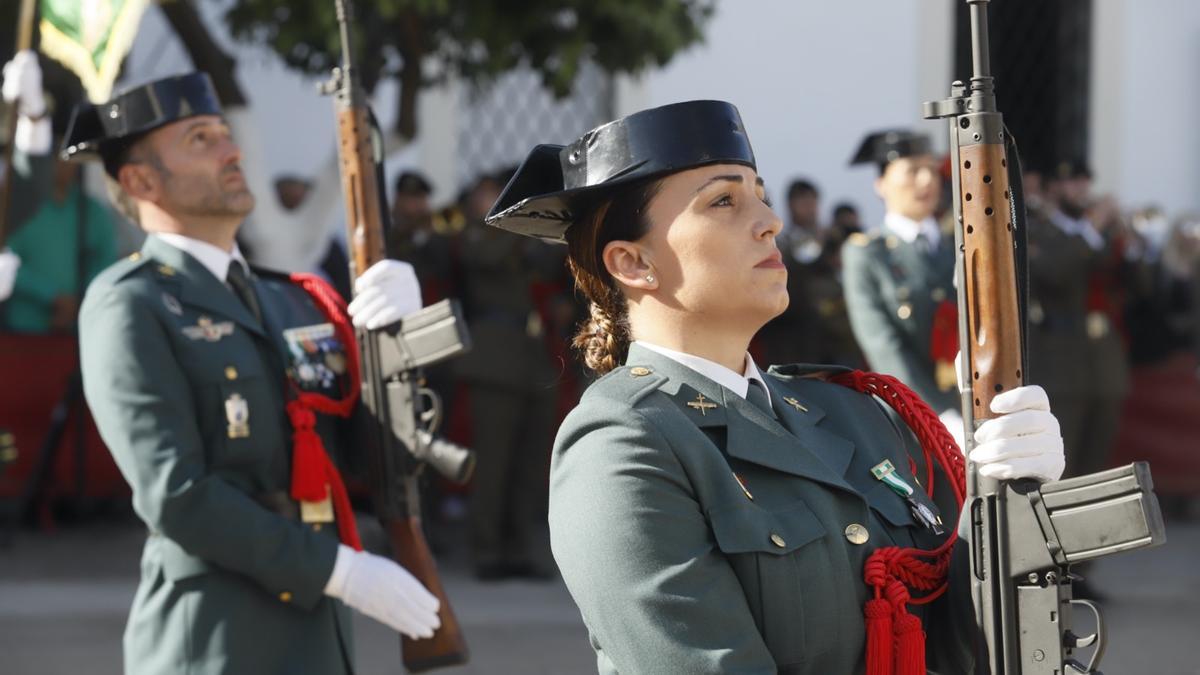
[{"x": 603, "y": 338}]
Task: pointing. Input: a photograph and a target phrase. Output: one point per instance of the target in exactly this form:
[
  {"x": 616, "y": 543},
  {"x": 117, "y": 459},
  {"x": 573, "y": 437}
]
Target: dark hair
[
  {"x": 802, "y": 188},
  {"x": 844, "y": 207},
  {"x": 603, "y": 338}
]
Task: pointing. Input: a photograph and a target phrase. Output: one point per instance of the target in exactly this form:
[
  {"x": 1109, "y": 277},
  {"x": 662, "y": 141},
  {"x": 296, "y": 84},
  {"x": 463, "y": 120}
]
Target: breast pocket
[
  {"x": 783, "y": 561},
  {"x": 239, "y": 406}
]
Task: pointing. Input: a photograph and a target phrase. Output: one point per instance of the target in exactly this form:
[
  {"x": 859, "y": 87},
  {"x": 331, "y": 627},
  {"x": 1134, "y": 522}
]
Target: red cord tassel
[
  {"x": 308, "y": 455},
  {"x": 880, "y": 658},
  {"x": 896, "y": 643},
  {"x": 910, "y": 644}
]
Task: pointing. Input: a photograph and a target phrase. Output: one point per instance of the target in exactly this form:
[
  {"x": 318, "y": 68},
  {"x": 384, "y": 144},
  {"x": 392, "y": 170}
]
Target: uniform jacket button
[
  {"x": 857, "y": 534},
  {"x": 778, "y": 541},
  {"x": 231, "y": 373},
  {"x": 285, "y": 596}
]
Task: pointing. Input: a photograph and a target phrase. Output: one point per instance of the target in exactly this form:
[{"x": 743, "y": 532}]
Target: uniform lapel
[
  {"x": 199, "y": 287},
  {"x": 802, "y": 417},
  {"x": 751, "y": 435}
]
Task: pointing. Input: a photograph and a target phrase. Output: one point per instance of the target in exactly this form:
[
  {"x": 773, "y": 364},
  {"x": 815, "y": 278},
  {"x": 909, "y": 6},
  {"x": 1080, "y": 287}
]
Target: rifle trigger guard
[
  {"x": 432, "y": 415},
  {"x": 1098, "y": 638}
]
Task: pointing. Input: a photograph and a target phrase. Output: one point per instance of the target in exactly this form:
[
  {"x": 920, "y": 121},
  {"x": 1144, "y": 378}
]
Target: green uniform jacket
[
  {"x": 1064, "y": 357},
  {"x": 227, "y": 584},
  {"x": 893, "y": 291},
  {"x": 677, "y": 570}
]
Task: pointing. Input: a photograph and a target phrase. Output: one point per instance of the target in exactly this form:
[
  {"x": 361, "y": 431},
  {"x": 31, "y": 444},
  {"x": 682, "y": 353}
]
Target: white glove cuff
[
  {"x": 32, "y": 137},
  {"x": 336, "y": 586}
]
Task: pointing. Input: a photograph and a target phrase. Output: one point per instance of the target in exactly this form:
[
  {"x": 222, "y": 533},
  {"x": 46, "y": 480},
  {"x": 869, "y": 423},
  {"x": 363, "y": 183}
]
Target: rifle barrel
[{"x": 980, "y": 49}]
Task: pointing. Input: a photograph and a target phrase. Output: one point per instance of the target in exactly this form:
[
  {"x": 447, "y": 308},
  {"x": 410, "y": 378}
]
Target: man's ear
[
  {"x": 629, "y": 265},
  {"x": 139, "y": 181},
  {"x": 879, "y": 187}
]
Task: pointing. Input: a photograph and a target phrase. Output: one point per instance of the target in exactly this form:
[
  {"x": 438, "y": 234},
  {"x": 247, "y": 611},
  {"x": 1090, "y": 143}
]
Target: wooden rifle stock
[
  {"x": 360, "y": 187},
  {"x": 398, "y": 510},
  {"x": 448, "y": 646},
  {"x": 989, "y": 269}
]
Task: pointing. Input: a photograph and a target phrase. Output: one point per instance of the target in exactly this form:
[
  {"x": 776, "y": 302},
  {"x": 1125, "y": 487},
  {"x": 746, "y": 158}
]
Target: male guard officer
[
  {"x": 1075, "y": 350},
  {"x": 899, "y": 280},
  {"x": 190, "y": 361}
]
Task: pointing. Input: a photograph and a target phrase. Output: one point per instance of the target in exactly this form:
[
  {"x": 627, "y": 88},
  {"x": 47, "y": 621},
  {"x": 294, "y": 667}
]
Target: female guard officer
[{"x": 708, "y": 516}]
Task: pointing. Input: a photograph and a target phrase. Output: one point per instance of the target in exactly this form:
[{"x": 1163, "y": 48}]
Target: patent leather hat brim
[{"x": 554, "y": 182}]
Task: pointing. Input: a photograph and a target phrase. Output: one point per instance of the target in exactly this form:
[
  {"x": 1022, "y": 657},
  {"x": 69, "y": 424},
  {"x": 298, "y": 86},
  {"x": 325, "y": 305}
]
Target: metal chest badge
[
  {"x": 206, "y": 329},
  {"x": 320, "y": 511},
  {"x": 317, "y": 356},
  {"x": 237, "y": 416},
  {"x": 885, "y": 472}
]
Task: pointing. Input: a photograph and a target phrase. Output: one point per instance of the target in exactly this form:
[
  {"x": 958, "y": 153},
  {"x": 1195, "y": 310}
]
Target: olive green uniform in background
[
  {"x": 815, "y": 328},
  {"x": 231, "y": 581},
  {"x": 513, "y": 392},
  {"x": 893, "y": 290},
  {"x": 677, "y": 568},
  {"x": 1075, "y": 354}
]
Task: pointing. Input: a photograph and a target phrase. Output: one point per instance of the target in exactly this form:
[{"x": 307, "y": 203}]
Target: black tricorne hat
[
  {"x": 542, "y": 198},
  {"x": 412, "y": 183},
  {"x": 1073, "y": 167},
  {"x": 884, "y": 147},
  {"x": 103, "y": 130}
]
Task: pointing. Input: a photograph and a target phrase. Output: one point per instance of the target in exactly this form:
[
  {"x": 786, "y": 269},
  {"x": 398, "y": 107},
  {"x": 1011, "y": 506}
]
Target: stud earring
[{"x": 649, "y": 278}]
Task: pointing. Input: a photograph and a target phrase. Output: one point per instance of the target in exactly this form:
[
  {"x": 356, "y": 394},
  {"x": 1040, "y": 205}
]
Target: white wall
[
  {"x": 1145, "y": 142},
  {"x": 810, "y": 78}
]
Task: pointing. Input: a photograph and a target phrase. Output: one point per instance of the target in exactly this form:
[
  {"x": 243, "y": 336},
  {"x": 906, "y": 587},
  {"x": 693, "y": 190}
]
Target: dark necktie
[
  {"x": 240, "y": 283},
  {"x": 757, "y": 395},
  {"x": 924, "y": 245}
]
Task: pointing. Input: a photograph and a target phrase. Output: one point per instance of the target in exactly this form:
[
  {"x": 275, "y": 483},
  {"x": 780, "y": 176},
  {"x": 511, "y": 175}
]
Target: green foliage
[{"x": 476, "y": 39}]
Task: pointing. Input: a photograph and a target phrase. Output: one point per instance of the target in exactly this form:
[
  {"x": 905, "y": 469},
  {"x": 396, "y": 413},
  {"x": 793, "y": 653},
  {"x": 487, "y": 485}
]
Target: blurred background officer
[
  {"x": 413, "y": 239},
  {"x": 815, "y": 327},
  {"x": 1076, "y": 351},
  {"x": 900, "y": 278},
  {"x": 513, "y": 389}
]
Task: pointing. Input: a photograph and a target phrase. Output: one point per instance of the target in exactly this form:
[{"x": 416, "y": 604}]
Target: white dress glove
[
  {"x": 384, "y": 591},
  {"x": 1024, "y": 442},
  {"x": 9, "y": 262},
  {"x": 23, "y": 82},
  {"x": 385, "y": 293}
]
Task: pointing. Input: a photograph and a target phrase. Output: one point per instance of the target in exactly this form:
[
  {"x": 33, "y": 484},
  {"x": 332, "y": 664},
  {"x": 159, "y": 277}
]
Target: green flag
[{"x": 90, "y": 37}]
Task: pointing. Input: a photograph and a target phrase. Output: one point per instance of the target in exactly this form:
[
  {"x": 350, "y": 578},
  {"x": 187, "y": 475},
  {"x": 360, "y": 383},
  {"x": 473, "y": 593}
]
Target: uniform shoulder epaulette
[
  {"x": 122, "y": 269},
  {"x": 629, "y": 384},
  {"x": 812, "y": 371},
  {"x": 861, "y": 238}
]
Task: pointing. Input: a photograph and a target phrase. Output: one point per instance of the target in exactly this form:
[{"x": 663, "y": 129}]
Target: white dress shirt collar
[
  {"x": 733, "y": 381},
  {"x": 907, "y": 229},
  {"x": 1078, "y": 227},
  {"x": 213, "y": 258}
]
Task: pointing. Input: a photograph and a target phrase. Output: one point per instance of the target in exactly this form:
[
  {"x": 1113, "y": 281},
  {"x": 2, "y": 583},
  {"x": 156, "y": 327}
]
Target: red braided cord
[
  {"x": 314, "y": 475},
  {"x": 892, "y": 568}
]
